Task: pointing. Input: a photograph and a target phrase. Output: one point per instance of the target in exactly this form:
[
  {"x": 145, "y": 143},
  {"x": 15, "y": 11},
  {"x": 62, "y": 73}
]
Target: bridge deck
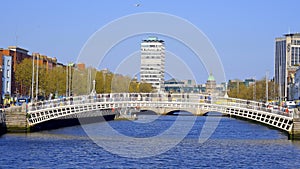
[{"x": 161, "y": 104}]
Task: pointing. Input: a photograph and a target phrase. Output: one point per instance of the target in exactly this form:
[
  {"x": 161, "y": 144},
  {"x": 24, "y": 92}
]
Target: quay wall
[
  {"x": 2, "y": 122},
  {"x": 15, "y": 119},
  {"x": 295, "y": 134}
]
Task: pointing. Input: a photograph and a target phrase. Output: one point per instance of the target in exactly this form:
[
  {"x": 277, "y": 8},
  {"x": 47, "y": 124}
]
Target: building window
[
  {"x": 7, "y": 74},
  {"x": 8, "y": 62},
  {"x": 7, "y": 86}
]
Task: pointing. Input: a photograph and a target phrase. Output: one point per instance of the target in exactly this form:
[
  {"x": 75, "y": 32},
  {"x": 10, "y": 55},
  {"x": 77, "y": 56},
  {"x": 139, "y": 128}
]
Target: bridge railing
[
  {"x": 153, "y": 97},
  {"x": 115, "y": 97},
  {"x": 251, "y": 105}
]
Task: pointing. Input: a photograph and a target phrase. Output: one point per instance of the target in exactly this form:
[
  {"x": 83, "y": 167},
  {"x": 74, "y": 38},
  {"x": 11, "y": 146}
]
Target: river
[{"x": 234, "y": 144}]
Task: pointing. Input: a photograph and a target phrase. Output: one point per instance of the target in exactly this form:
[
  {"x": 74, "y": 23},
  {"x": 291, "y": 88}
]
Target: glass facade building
[{"x": 287, "y": 60}]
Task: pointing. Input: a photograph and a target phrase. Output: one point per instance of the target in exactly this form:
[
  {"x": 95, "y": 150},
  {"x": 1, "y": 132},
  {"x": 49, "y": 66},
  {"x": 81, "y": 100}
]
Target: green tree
[
  {"x": 256, "y": 91},
  {"x": 99, "y": 82},
  {"x": 145, "y": 87},
  {"x": 56, "y": 81},
  {"x": 23, "y": 76},
  {"x": 133, "y": 86},
  {"x": 80, "y": 82}
]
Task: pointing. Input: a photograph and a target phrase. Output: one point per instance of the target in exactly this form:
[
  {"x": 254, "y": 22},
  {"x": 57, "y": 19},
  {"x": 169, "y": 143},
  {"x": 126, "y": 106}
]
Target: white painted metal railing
[{"x": 47, "y": 110}]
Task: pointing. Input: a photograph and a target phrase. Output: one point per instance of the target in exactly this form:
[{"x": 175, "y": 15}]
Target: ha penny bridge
[{"x": 108, "y": 106}]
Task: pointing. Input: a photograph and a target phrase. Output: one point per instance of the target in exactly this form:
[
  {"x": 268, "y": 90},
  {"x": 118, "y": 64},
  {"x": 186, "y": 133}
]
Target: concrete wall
[
  {"x": 295, "y": 133},
  {"x": 16, "y": 120}
]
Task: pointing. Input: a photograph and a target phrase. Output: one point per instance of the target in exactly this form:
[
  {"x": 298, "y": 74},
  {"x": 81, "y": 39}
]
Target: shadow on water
[
  {"x": 60, "y": 123},
  {"x": 215, "y": 114},
  {"x": 147, "y": 112},
  {"x": 180, "y": 113}
]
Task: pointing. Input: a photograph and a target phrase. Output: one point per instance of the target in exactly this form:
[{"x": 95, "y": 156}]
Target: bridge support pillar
[
  {"x": 295, "y": 133},
  {"x": 199, "y": 112},
  {"x": 16, "y": 120}
]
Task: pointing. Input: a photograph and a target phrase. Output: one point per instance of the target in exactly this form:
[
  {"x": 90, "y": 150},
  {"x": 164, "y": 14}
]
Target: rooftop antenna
[
  {"x": 16, "y": 34},
  {"x": 17, "y": 40}
]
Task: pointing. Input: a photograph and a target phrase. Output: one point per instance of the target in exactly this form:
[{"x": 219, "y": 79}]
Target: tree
[
  {"x": 23, "y": 76},
  {"x": 133, "y": 86},
  {"x": 256, "y": 91},
  {"x": 145, "y": 87},
  {"x": 56, "y": 81},
  {"x": 80, "y": 82}
]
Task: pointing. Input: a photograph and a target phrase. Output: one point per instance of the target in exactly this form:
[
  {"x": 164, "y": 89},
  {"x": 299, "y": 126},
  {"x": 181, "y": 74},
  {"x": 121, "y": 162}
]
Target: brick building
[{"x": 9, "y": 58}]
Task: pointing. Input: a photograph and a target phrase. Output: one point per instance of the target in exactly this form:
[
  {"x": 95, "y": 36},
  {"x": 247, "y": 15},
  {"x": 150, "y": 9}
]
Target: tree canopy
[
  {"x": 255, "y": 91},
  {"x": 80, "y": 81}
]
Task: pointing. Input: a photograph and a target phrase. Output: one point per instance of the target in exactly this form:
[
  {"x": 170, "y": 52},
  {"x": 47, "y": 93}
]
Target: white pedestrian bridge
[{"x": 162, "y": 104}]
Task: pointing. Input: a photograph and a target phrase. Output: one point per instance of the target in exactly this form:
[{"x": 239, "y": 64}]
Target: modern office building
[
  {"x": 287, "y": 60},
  {"x": 153, "y": 63}
]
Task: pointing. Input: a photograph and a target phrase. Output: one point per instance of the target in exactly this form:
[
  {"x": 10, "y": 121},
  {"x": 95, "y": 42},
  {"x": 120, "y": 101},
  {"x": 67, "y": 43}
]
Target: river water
[{"x": 234, "y": 144}]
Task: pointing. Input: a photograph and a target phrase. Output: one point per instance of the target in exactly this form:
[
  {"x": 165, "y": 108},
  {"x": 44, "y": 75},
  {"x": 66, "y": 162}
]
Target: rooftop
[
  {"x": 211, "y": 78},
  {"x": 153, "y": 39},
  {"x": 292, "y": 34},
  {"x": 18, "y": 49}
]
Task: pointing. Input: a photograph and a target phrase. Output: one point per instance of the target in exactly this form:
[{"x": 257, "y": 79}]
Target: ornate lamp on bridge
[{"x": 94, "y": 93}]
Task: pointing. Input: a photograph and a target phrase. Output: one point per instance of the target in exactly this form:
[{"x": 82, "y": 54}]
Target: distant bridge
[{"x": 162, "y": 104}]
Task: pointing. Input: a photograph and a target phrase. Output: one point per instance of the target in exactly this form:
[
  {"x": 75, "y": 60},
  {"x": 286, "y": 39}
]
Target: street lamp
[
  {"x": 37, "y": 79},
  {"x": 226, "y": 95},
  {"x": 93, "y": 93}
]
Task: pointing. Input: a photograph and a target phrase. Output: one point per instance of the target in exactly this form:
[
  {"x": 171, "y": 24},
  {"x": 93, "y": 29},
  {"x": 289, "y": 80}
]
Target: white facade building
[
  {"x": 153, "y": 63},
  {"x": 6, "y": 76}
]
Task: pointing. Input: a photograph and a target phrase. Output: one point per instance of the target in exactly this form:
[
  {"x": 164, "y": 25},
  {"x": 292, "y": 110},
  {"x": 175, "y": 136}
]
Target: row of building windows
[
  {"x": 295, "y": 56},
  {"x": 150, "y": 67},
  {"x": 149, "y": 76},
  {"x": 152, "y": 49},
  {"x": 160, "y": 45},
  {"x": 295, "y": 42},
  {"x": 152, "y": 79},
  {"x": 150, "y": 54},
  {"x": 151, "y": 57}
]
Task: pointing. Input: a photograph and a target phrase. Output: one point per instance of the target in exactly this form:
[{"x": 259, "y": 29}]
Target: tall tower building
[
  {"x": 153, "y": 63},
  {"x": 287, "y": 60}
]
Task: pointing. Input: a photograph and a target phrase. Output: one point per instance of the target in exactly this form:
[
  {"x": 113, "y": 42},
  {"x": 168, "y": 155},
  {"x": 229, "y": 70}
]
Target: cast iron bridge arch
[{"x": 108, "y": 104}]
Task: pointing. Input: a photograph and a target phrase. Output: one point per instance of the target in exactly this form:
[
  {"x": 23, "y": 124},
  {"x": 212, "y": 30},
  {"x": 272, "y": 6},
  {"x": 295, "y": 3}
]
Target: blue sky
[{"x": 242, "y": 32}]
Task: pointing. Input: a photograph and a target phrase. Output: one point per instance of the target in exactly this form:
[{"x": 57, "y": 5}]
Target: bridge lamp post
[
  {"x": 267, "y": 91},
  {"x": 67, "y": 81},
  {"x": 226, "y": 94},
  {"x": 37, "y": 78},
  {"x": 93, "y": 93},
  {"x": 32, "y": 79}
]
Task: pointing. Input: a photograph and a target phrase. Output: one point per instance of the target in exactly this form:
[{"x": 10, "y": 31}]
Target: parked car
[{"x": 22, "y": 100}]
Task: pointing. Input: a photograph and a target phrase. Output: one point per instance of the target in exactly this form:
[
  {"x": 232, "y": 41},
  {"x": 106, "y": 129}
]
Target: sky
[{"x": 242, "y": 32}]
